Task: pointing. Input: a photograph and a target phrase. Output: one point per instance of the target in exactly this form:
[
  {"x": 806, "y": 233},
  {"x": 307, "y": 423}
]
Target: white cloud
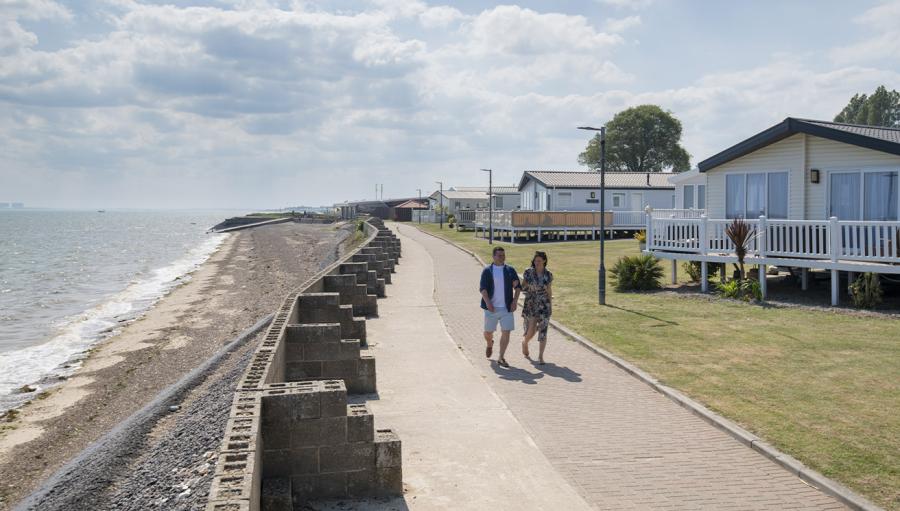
[
  {"x": 440, "y": 16},
  {"x": 617, "y": 25},
  {"x": 13, "y": 38},
  {"x": 883, "y": 23},
  {"x": 33, "y": 10},
  {"x": 627, "y": 4}
]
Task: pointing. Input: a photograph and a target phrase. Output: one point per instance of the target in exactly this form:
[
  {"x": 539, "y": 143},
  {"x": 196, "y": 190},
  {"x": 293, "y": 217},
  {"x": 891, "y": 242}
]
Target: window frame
[
  {"x": 687, "y": 191},
  {"x": 621, "y": 196},
  {"x": 765, "y": 198},
  {"x": 862, "y": 189}
]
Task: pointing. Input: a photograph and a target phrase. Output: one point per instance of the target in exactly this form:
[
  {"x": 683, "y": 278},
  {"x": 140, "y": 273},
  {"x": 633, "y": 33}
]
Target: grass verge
[{"x": 821, "y": 386}]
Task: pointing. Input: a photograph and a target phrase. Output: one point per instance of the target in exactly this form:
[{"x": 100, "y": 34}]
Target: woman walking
[{"x": 538, "y": 297}]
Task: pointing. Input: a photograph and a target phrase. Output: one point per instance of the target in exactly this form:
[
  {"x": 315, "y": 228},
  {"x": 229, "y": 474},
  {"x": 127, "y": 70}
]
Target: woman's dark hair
[{"x": 542, "y": 255}]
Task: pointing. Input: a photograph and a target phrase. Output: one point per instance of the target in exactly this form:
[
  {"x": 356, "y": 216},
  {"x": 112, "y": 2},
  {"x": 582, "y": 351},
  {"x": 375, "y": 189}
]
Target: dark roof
[
  {"x": 582, "y": 179},
  {"x": 498, "y": 190},
  {"x": 871, "y": 137}
]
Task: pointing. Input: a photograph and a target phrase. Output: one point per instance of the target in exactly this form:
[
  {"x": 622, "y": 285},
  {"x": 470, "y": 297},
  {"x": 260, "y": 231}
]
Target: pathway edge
[{"x": 811, "y": 477}]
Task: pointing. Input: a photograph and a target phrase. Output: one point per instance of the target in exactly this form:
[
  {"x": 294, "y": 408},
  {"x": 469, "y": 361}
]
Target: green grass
[{"x": 821, "y": 386}]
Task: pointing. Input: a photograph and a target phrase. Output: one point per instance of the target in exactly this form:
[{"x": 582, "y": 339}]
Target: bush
[
  {"x": 695, "y": 272},
  {"x": 740, "y": 289},
  {"x": 361, "y": 226},
  {"x": 637, "y": 273},
  {"x": 641, "y": 236},
  {"x": 865, "y": 292}
]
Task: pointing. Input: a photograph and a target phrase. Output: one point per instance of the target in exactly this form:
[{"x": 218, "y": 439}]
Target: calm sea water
[{"x": 71, "y": 278}]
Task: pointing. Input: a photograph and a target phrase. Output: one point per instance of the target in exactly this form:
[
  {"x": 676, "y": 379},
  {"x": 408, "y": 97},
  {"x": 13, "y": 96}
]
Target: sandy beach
[{"x": 242, "y": 282}]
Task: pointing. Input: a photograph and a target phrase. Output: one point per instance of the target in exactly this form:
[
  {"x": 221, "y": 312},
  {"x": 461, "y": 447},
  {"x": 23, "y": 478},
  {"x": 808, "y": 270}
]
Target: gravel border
[
  {"x": 76, "y": 483},
  {"x": 840, "y": 492}
]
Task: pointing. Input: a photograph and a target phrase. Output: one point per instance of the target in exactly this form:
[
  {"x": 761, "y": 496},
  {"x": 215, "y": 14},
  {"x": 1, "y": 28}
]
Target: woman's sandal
[{"x": 502, "y": 362}]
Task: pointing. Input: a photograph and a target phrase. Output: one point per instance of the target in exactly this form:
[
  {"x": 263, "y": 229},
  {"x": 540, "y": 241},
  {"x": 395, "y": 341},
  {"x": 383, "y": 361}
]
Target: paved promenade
[
  {"x": 462, "y": 448},
  {"x": 620, "y": 444}
]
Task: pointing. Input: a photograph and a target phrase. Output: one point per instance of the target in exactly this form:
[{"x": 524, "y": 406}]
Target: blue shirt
[{"x": 487, "y": 283}]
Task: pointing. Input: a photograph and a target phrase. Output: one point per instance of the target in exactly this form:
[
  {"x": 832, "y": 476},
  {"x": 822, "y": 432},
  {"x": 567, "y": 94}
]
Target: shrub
[
  {"x": 695, "y": 272},
  {"x": 740, "y": 289},
  {"x": 637, "y": 273},
  {"x": 361, "y": 226},
  {"x": 741, "y": 234},
  {"x": 641, "y": 236},
  {"x": 865, "y": 292}
]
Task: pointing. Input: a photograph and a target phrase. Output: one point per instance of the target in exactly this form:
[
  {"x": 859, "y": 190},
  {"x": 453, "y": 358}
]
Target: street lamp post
[
  {"x": 490, "y": 205},
  {"x": 601, "y": 272},
  {"x": 441, "y": 211},
  {"x": 420, "y": 204}
]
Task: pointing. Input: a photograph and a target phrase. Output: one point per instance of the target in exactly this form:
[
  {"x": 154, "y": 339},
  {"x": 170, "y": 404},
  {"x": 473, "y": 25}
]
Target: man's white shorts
[{"x": 500, "y": 315}]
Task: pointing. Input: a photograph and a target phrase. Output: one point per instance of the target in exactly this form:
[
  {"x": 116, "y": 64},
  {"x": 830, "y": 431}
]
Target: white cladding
[{"x": 536, "y": 197}]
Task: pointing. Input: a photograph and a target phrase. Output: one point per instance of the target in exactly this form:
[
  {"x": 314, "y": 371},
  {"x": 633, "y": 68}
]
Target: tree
[
  {"x": 882, "y": 108},
  {"x": 640, "y": 139}
]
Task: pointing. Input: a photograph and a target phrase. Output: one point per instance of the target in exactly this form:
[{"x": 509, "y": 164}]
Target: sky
[{"x": 268, "y": 103}]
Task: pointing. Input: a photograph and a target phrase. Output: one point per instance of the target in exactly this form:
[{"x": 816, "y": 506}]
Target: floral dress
[{"x": 537, "y": 300}]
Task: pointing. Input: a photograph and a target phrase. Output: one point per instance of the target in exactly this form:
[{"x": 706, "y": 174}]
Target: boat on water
[{"x": 101, "y": 211}]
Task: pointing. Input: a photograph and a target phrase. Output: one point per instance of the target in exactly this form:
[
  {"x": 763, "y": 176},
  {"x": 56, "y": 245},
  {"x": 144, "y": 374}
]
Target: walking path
[
  {"x": 462, "y": 448},
  {"x": 620, "y": 444}
]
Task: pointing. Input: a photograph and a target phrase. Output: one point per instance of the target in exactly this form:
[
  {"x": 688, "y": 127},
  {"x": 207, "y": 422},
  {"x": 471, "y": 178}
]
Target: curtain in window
[
  {"x": 777, "y": 195},
  {"x": 880, "y": 196},
  {"x": 734, "y": 195},
  {"x": 688, "y": 197},
  {"x": 701, "y": 196},
  {"x": 756, "y": 195},
  {"x": 845, "y": 196}
]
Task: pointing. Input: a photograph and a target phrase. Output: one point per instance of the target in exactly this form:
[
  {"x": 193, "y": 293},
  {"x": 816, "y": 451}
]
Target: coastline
[
  {"x": 238, "y": 284},
  {"x": 107, "y": 352}
]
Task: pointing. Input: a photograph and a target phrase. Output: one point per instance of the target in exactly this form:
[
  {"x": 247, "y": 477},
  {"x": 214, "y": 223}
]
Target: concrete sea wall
[{"x": 291, "y": 436}]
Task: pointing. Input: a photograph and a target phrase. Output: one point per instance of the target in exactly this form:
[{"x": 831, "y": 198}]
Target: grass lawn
[{"x": 822, "y": 386}]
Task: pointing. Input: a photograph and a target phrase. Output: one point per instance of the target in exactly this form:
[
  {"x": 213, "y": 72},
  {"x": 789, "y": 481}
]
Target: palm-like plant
[{"x": 740, "y": 233}]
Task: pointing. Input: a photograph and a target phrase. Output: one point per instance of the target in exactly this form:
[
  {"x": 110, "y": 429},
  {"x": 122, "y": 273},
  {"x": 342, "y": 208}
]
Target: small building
[
  {"x": 505, "y": 197},
  {"x": 403, "y": 212},
  {"x": 545, "y": 190},
  {"x": 690, "y": 189},
  {"x": 456, "y": 201}
]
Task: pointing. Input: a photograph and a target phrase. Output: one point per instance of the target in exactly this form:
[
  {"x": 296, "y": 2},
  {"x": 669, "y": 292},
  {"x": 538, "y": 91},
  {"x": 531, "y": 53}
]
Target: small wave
[{"x": 62, "y": 354}]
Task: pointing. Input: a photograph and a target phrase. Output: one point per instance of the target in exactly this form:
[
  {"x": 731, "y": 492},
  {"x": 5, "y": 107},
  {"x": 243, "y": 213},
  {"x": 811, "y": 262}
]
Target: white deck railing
[
  {"x": 831, "y": 239},
  {"x": 620, "y": 219}
]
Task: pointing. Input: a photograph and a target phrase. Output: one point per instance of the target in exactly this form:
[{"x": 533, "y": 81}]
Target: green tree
[
  {"x": 640, "y": 139},
  {"x": 882, "y": 108}
]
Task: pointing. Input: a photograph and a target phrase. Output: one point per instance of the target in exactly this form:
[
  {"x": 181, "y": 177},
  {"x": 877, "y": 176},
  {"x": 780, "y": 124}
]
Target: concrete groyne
[{"x": 292, "y": 437}]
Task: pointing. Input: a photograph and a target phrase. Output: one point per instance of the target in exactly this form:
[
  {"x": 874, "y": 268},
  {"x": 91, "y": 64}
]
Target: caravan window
[
  {"x": 701, "y": 196},
  {"x": 863, "y": 195},
  {"x": 759, "y": 193},
  {"x": 688, "y": 201}
]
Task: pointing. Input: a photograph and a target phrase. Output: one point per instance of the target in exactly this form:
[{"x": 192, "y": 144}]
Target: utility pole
[
  {"x": 490, "y": 205},
  {"x": 441, "y": 211},
  {"x": 419, "y": 210},
  {"x": 601, "y": 272}
]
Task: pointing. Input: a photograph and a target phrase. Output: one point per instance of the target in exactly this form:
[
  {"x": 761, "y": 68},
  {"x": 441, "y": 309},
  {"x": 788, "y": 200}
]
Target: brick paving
[{"x": 618, "y": 442}]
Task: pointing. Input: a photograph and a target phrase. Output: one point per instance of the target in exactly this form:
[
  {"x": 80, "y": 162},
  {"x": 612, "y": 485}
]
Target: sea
[{"x": 70, "y": 279}]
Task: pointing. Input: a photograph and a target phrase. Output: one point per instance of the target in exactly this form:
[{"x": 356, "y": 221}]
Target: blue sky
[{"x": 256, "y": 103}]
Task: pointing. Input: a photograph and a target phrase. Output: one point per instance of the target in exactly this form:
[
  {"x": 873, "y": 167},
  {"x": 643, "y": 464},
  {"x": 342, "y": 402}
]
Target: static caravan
[
  {"x": 818, "y": 195},
  {"x": 544, "y": 190}
]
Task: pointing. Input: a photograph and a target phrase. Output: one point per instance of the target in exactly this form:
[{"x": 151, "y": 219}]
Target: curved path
[{"x": 617, "y": 442}]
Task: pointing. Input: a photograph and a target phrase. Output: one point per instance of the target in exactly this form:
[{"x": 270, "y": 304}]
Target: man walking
[{"x": 498, "y": 301}]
